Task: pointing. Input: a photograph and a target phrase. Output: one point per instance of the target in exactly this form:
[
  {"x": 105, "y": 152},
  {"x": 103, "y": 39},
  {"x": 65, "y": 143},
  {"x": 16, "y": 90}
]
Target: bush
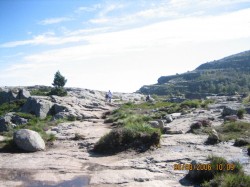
[
  {"x": 137, "y": 136},
  {"x": 13, "y": 106},
  {"x": 201, "y": 176},
  {"x": 41, "y": 91},
  {"x": 240, "y": 113},
  {"x": 190, "y": 104},
  {"x": 229, "y": 180},
  {"x": 59, "y": 91},
  {"x": 234, "y": 130}
]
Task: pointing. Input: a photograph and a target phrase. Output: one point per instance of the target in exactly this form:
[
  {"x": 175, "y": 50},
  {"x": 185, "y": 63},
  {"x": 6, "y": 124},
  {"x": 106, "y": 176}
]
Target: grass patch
[
  {"x": 13, "y": 106},
  {"x": 40, "y": 92},
  {"x": 220, "y": 172},
  {"x": 138, "y": 136},
  {"x": 233, "y": 130},
  {"x": 229, "y": 180}
]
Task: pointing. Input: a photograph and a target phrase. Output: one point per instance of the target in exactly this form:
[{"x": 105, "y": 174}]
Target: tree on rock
[
  {"x": 59, "y": 80},
  {"x": 58, "y": 83}
]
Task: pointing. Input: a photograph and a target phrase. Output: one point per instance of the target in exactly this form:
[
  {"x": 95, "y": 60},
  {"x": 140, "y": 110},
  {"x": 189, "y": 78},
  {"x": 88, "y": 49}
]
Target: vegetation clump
[
  {"x": 233, "y": 130},
  {"x": 240, "y": 113},
  {"x": 219, "y": 172},
  {"x": 13, "y": 106},
  {"x": 136, "y": 136}
]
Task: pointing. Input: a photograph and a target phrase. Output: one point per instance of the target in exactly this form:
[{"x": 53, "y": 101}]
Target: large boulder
[
  {"x": 7, "y": 96},
  {"x": 23, "y": 94},
  {"x": 28, "y": 140},
  {"x": 37, "y": 106},
  {"x": 229, "y": 110}
]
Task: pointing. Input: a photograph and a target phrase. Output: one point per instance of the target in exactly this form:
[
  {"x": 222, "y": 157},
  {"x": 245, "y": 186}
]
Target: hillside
[{"x": 224, "y": 76}]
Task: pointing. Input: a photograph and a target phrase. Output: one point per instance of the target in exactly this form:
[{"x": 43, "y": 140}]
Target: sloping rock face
[
  {"x": 28, "y": 140},
  {"x": 38, "y": 106}
]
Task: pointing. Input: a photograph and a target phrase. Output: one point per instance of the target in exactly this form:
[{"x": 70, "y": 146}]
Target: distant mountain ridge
[
  {"x": 225, "y": 76},
  {"x": 240, "y": 60}
]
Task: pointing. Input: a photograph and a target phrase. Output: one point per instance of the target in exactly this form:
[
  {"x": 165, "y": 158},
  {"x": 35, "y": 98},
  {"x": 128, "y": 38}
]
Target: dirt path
[{"x": 68, "y": 162}]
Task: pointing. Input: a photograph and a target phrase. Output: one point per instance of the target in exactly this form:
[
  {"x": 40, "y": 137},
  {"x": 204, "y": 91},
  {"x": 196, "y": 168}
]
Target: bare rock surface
[{"x": 69, "y": 161}]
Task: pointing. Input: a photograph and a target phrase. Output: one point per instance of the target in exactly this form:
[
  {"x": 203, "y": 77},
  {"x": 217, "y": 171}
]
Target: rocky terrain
[{"x": 69, "y": 161}]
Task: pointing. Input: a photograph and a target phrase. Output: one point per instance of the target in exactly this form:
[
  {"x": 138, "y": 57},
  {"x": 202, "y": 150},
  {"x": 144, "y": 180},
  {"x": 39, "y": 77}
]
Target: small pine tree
[
  {"x": 58, "y": 83},
  {"x": 59, "y": 80}
]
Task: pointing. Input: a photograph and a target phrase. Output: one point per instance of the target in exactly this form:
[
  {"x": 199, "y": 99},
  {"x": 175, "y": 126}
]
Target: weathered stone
[
  {"x": 28, "y": 140},
  {"x": 23, "y": 94},
  {"x": 241, "y": 142},
  {"x": 156, "y": 124},
  {"x": 196, "y": 125},
  {"x": 37, "y": 106},
  {"x": 18, "y": 120},
  {"x": 59, "y": 108},
  {"x": 229, "y": 110},
  {"x": 5, "y": 122},
  {"x": 168, "y": 118},
  {"x": 231, "y": 118},
  {"x": 213, "y": 138},
  {"x": 7, "y": 96}
]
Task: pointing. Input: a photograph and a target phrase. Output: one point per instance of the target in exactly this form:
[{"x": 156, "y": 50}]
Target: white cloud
[
  {"x": 54, "y": 20},
  {"x": 88, "y": 9}
]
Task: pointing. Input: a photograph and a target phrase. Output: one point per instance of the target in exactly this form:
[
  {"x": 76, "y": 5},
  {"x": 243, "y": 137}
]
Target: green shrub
[
  {"x": 136, "y": 136},
  {"x": 240, "y": 113},
  {"x": 219, "y": 167},
  {"x": 229, "y": 180},
  {"x": 190, "y": 104},
  {"x": 13, "y": 106},
  {"x": 233, "y": 130},
  {"x": 41, "y": 91},
  {"x": 59, "y": 91}
]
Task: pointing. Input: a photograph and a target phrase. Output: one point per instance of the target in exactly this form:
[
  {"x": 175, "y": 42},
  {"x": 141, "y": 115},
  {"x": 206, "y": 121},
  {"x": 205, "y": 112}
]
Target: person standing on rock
[{"x": 108, "y": 96}]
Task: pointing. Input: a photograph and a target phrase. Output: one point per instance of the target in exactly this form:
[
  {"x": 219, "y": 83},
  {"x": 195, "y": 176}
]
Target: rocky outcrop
[
  {"x": 23, "y": 94},
  {"x": 230, "y": 110},
  {"x": 37, "y": 106},
  {"x": 28, "y": 140},
  {"x": 8, "y": 95},
  {"x": 10, "y": 120}
]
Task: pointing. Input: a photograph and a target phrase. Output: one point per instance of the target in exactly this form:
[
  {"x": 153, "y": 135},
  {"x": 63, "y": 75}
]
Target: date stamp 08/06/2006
[{"x": 205, "y": 167}]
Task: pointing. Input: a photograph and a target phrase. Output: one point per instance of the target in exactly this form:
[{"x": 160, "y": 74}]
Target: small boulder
[
  {"x": 241, "y": 142},
  {"x": 168, "y": 118},
  {"x": 213, "y": 138},
  {"x": 155, "y": 124},
  {"x": 28, "y": 140},
  {"x": 18, "y": 120},
  {"x": 231, "y": 118},
  {"x": 196, "y": 125}
]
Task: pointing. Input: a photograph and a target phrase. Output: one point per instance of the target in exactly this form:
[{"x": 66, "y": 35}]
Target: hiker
[
  {"x": 108, "y": 96},
  {"x": 148, "y": 97}
]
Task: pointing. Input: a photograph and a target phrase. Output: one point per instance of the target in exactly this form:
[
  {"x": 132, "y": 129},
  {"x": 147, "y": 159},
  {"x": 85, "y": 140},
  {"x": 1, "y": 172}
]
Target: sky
[{"x": 117, "y": 45}]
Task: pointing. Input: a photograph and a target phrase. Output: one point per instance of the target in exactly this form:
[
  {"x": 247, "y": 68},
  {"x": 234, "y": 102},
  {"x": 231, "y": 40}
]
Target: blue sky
[{"x": 116, "y": 45}]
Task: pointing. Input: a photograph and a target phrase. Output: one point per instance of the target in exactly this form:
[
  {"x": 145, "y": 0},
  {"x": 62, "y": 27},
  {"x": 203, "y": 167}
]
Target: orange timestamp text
[{"x": 205, "y": 167}]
